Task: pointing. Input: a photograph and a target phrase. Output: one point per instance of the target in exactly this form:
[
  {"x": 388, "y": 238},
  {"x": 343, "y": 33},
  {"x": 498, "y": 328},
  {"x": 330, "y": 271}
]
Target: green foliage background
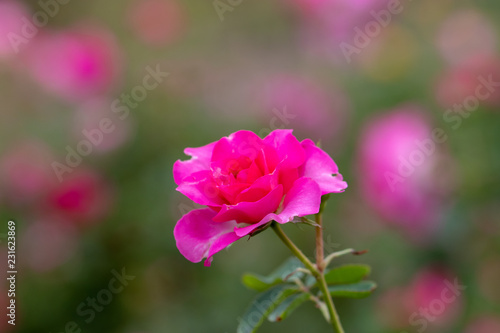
[{"x": 170, "y": 294}]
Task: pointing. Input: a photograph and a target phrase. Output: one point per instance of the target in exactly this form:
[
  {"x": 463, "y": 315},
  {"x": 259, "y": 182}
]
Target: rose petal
[
  {"x": 267, "y": 159},
  {"x": 322, "y": 169},
  {"x": 201, "y": 188},
  {"x": 251, "y": 212},
  {"x": 200, "y": 160},
  {"x": 289, "y": 149},
  {"x": 221, "y": 243},
  {"x": 249, "y": 175},
  {"x": 304, "y": 198},
  {"x": 231, "y": 191},
  {"x": 259, "y": 189},
  {"x": 197, "y": 236},
  {"x": 240, "y": 143},
  {"x": 287, "y": 178},
  {"x": 231, "y": 165}
]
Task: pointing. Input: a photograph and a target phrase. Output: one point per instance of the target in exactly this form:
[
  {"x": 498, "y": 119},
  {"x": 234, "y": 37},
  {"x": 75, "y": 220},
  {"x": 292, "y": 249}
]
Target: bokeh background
[{"x": 402, "y": 104}]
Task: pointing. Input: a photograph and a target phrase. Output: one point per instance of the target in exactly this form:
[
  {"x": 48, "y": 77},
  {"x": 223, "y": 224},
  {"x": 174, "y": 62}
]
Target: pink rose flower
[
  {"x": 247, "y": 182},
  {"x": 399, "y": 174},
  {"x": 435, "y": 289},
  {"x": 82, "y": 199},
  {"x": 76, "y": 64},
  {"x": 434, "y": 297},
  {"x": 459, "y": 83}
]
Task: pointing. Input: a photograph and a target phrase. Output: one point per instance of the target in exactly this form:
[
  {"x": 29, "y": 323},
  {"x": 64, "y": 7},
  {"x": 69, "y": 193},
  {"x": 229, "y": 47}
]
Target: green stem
[
  {"x": 334, "y": 317},
  {"x": 320, "y": 263},
  {"x": 295, "y": 250},
  {"x": 319, "y": 275},
  {"x": 320, "y": 254}
]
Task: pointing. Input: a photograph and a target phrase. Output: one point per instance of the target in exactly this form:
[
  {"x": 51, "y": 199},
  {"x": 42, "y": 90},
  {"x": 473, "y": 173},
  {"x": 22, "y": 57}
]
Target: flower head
[
  {"x": 76, "y": 64},
  {"x": 398, "y": 168},
  {"x": 247, "y": 182}
]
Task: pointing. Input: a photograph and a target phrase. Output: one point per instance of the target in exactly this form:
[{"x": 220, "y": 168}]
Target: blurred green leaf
[
  {"x": 346, "y": 274},
  {"x": 288, "y": 306},
  {"x": 285, "y": 271},
  {"x": 310, "y": 281},
  {"x": 262, "y": 306},
  {"x": 355, "y": 290},
  {"x": 257, "y": 282}
]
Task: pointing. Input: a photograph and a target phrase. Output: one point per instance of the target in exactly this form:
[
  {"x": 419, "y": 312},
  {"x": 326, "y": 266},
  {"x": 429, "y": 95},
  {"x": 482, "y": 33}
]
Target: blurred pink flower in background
[
  {"x": 82, "y": 198},
  {"x": 341, "y": 16},
  {"x": 27, "y": 178},
  {"x": 11, "y": 21},
  {"x": 344, "y": 16},
  {"x": 326, "y": 23},
  {"x": 25, "y": 172},
  {"x": 316, "y": 111},
  {"x": 48, "y": 243},
  {"x": 437, "y": 290},
  {"x": 87, "y": 123},
  {"x": 157, "y": 22},
  {"x": 397, "y": 164},
  {"x": 77, "y": 63},
  {"x": 465, "y": 34},
  {"x": 486, "y": 324},
  {"x": 462, "y": 81},
  {"x": 433, "y": 299}
]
